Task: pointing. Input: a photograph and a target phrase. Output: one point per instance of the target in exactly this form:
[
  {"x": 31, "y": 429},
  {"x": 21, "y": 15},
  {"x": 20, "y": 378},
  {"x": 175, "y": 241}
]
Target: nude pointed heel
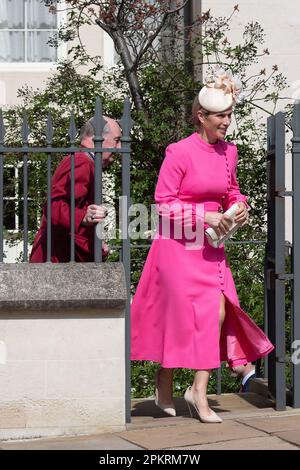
[
  {"x": 168, "y": 408},
  {"x": 213, "y": 418}
]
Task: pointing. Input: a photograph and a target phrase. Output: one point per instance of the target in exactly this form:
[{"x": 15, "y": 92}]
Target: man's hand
[
  {"x": 94, "y": 214},
  {"x": 221, "y": 223}
]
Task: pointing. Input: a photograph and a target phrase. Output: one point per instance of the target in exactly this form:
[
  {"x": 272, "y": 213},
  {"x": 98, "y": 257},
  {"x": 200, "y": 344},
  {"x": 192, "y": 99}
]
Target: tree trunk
[{"x": 130, "y": 72}]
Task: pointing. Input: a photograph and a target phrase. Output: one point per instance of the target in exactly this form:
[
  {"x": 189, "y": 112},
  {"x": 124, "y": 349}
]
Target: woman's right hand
[{"x": 221, "y": 223}]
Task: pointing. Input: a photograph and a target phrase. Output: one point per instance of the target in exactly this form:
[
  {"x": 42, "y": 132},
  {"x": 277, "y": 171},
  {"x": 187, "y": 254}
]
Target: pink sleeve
[
  {"x": 168, "y": 203},
  {"x": 234, "y": 195}
]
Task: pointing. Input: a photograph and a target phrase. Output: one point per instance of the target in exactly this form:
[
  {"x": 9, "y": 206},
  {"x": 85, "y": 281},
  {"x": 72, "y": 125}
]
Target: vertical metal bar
[
  {"x": 265, "y": 371},
  {"x": 275, "y": 260},
  {"x": 72, "y": 252},
  {"x": 49, "y": 137},
  {"x": 72, "y": 136},
  {"x": 99, "y": 124},
  {"x": 126, "y": 124},
  {"x": 219, "y": 381},
  {"x": 49, "y": 213},
  {"x": 280, "y": 260},
  {"x": 2, "y": 134},
  {"x": 270, "y": 251},
  {"x": 25, "y": 207},
  {"x": 296, "y": 252},
  {"x": 25, "y": 132}
]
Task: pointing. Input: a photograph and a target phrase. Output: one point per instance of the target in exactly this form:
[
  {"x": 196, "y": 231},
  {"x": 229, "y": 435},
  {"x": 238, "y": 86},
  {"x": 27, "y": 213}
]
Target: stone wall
[{"x": 62, "y": 343}]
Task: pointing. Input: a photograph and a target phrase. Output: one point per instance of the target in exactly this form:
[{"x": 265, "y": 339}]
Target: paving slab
[
  {"x": 253, "y": 443},
  {"x": 229, "y": 402},
  {"x": 274, "y": 424},
  {"x": 290, "y": 436},
  {"x": 245, "y": 416},
  {"x": 141, "y": 422},
  {"x": 188, "y": 435},
  {"x": 98, "y": 442},
  {"x": 250, "y": 422}
]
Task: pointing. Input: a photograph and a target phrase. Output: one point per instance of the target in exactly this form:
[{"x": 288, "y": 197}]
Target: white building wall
[{"x": 13, "y": 76}]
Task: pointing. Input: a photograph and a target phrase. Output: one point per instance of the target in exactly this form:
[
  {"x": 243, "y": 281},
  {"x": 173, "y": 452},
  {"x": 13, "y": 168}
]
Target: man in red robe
[{"x": 87, "y": 214}]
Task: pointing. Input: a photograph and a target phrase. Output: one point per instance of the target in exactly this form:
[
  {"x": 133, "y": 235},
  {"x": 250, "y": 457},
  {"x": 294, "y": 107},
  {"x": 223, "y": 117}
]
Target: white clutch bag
[{"x": 213, "y": 239}]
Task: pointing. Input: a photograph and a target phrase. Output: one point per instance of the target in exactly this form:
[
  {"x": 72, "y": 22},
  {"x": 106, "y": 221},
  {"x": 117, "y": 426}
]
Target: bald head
[
  {"x": 88, "y": 128},
  {"x": 111, "y": 137}
]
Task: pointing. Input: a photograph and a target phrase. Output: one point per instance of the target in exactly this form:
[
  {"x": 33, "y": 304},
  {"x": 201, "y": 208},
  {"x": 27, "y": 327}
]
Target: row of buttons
[
  {"x": 228, "y": 174},
  {"x": 221, "y": 276}
]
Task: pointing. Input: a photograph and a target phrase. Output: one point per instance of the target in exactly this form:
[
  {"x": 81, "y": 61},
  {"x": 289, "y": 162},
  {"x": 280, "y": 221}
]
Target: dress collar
[{"x": 206, "y": 146}]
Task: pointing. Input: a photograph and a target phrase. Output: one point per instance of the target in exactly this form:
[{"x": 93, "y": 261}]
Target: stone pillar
[{"x": 62, "y": 351}]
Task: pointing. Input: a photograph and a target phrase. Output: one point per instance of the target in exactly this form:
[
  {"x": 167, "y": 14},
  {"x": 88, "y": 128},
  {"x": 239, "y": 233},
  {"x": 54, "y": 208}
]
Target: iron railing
[
  {"x": 275, "y": 274},
  {"x": 27, "y": 151}
]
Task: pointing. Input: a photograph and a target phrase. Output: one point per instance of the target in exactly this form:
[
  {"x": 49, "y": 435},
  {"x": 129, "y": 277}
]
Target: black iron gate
[{"x": 276, "y": 258}]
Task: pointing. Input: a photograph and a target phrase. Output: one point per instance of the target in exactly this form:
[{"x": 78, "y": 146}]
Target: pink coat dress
[{"x": 175, "y": 311}]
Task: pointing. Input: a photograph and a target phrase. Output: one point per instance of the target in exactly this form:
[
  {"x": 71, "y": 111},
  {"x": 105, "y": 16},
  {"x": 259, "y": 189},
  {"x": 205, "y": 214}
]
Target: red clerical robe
[{"x": 61, "y": 214}]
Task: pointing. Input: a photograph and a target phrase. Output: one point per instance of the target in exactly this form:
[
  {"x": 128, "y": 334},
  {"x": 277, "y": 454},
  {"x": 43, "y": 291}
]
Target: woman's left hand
[{"x": 242, "y": 214}]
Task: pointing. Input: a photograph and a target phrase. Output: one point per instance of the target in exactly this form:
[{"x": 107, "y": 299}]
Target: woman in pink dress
[{"x": 186, "y": 313}]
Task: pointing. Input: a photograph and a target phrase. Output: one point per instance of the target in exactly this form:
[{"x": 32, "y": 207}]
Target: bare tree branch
[
  {"x": 150, "y": 41},
  {"x": 171, "y": 12},
  {"x": 121, "y": 8}
]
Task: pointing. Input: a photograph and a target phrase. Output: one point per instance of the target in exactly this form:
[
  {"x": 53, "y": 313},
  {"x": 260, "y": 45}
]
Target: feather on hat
[{"x": 221, "y": 91}]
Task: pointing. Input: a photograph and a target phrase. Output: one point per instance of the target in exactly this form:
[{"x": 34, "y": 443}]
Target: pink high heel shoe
[
  {"x": 168, "y": 408},
  {"x": 212, "y": 418}
]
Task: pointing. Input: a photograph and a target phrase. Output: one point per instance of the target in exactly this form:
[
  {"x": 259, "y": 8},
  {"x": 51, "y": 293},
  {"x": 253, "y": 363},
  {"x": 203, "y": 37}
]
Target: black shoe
[{"x": 245, "y": 388}]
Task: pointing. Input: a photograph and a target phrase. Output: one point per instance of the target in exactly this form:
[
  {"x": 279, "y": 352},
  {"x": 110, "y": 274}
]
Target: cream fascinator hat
[{"x": 221, "y": 91}]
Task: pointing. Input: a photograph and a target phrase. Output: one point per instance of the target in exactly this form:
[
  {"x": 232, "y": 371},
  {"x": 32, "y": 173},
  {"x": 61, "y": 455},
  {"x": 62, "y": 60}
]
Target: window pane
[
  {"x": 12, "y": 14},
  {"x": 39, "y": 17},
  {"x": 9, "y": 218},
  {"x": 9, "y": 182},
  {"x": 37, "y": 48},
  {"x": 12, "y": 48}
]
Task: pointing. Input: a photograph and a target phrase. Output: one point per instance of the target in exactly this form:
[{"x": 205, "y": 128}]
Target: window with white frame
[
  {"x": 13, "y": 199},
  {"x": 25, "y": 29},
  {"x": 10, "y": 198}
]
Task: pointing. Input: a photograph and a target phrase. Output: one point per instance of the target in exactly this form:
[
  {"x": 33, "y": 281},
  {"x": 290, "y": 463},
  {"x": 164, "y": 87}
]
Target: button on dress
[{"x": 175, "y": 310}]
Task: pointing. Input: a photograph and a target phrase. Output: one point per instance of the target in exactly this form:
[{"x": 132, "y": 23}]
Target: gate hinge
[
  {"x": 283, "y": 193},
  {"x": 284, "y": 277}
]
